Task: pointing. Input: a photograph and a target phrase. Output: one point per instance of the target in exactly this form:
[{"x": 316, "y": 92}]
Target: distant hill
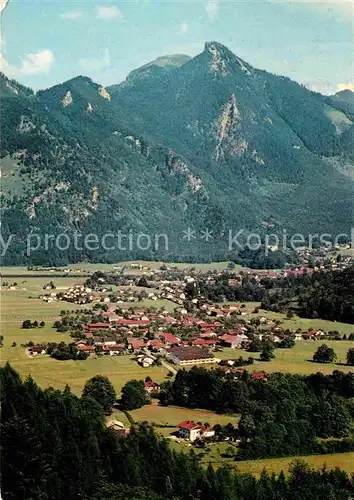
[
  {"x": 159, "y": 66},
  {"x": 343, "y": 100},
  {"x": 204, "y": 143}
]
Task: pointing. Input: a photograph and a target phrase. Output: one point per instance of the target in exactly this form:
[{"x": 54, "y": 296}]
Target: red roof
[
  {"x": 113, "y": 347},
  {"x": 259, "y": 376},
  {"x": 188, "y": 425},
  {"x": 136, "y": 343},
  {"x": 89, "y": 335},
  {"x": 132, "y": 322},
  {"x": 86, "y": 348},
  {"x": 156, "y": 343},
  {"x": 168, "y": 337},
  {"x": 208, "y": 325},
  {"x": 238, "y": 331},
  {"x": 98, "y": 326},
  {"x": 228, "y": 338},
  {"x": 149, "y": 384},
  {"x": 204, "y": 342}
]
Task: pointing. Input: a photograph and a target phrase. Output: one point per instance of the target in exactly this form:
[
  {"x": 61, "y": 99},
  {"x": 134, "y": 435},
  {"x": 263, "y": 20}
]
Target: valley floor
[{"x": 23, "y": 303}]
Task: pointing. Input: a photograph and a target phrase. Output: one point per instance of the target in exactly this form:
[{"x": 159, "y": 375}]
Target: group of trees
[
  {"x": 283, "y": 416},
  {"x": 56, "y": 445},
  {"x": 248, "y": 290},
  {"x": 134, "y": 395},
  {"x": 28, "y": 324},
  {"x": 326, "y": 354},
  {"x": 241, "y": 361},
  {"x": 266, "y": 347},
  {"x": 63, "y": 351}
]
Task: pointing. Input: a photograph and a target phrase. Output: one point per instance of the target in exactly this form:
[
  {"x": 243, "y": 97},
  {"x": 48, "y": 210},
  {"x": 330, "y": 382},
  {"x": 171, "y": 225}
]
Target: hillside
[
  {"x": 343, "y": 100},
  {"x": 203, "y": 142},
  {"x": 326, "y": 295}
]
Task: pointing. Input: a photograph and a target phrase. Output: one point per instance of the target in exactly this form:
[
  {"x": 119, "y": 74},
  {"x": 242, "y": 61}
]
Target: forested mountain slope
[{"x": 204, "y": 142}]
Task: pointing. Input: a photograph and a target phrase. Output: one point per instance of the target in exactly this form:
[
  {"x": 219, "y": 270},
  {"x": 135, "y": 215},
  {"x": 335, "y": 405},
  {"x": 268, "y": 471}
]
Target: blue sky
[{"x": 49, "y": 41}]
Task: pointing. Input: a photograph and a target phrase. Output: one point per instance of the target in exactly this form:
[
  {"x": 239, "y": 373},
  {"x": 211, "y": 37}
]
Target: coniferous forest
[
  {"x": 55, "y": 445},
  {"x": 327, "y": 295}
]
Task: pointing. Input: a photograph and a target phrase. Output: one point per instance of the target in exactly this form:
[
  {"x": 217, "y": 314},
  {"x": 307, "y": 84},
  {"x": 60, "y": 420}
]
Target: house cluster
[
  {"x": 82, "y": 294},
  {"x": 186, "y": 338},
  {"x": 191, "y": 340}
]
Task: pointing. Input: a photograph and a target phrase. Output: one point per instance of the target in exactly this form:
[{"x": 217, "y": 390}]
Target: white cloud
[
  {"x": 71, "y": 15},
  {"x": 345, "y": 86},
  {"x": 342, "y": 7},
  {"x": 95, "y": 64},
  {"x": 35, "y": 63},
  {"x": 109, "y": 13},
  {"x": 183, "y": 28},
  {"x": 212, "y": 8}
]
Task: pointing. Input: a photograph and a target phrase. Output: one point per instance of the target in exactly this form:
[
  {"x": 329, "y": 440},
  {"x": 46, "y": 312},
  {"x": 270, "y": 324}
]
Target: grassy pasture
[
  {"x": 296, "y": 322},
  {"x": 344, "y": 461},
  {"x": 173, "y": 415},
  {"x": 212, "y": 454},
  {"x": 295, "y": 360},
  {"x": 50, "y": 372}
]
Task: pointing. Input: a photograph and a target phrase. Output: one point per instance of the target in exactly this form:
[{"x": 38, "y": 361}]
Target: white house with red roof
[{"x": 188, "y": 429}]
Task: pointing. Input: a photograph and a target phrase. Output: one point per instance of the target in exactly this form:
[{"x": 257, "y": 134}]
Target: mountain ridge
[{"x": 210, "y": 142}]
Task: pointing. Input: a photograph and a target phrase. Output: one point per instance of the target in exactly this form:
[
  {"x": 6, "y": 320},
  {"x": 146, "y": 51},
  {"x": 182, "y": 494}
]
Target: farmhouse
[
  {"x": 151, "y": 386},
  {"x": 97, "y": 327},
  {"x": 192, "y": 431},
  {"x": 233, "y": 341},
  {"x": 118, "y": 427},
  {"x": 191, "y": 355},
  {"x": 136, "y": 344},
  {"x": 170, "y": 339}
]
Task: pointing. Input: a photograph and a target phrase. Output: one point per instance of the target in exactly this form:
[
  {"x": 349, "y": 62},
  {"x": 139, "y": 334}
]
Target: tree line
[{"x": 56, "y": 445}]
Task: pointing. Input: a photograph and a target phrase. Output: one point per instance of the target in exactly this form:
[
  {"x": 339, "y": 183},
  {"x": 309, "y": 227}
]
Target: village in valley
[{"x": 142, "y": 322}]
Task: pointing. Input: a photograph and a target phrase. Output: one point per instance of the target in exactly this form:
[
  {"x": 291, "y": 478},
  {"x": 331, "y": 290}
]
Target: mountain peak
[
  {"x": 213, "y": 45},
  {"x": 223, "y": 60}
]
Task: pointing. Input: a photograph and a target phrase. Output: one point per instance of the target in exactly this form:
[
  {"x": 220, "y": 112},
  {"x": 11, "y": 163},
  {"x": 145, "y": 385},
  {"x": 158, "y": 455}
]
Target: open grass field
[
  {"x": 152, "y": 265},
  {"x": 296, "y": 322},
  {"x": 344, "y": 461},
  {"x": 295, "y": 360},
  {"x": 213, "y": 454},
  {"x": 92, "y": 267},
  {"x": 173, "y": 415},
  {"x": 50, "y": 372}
]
